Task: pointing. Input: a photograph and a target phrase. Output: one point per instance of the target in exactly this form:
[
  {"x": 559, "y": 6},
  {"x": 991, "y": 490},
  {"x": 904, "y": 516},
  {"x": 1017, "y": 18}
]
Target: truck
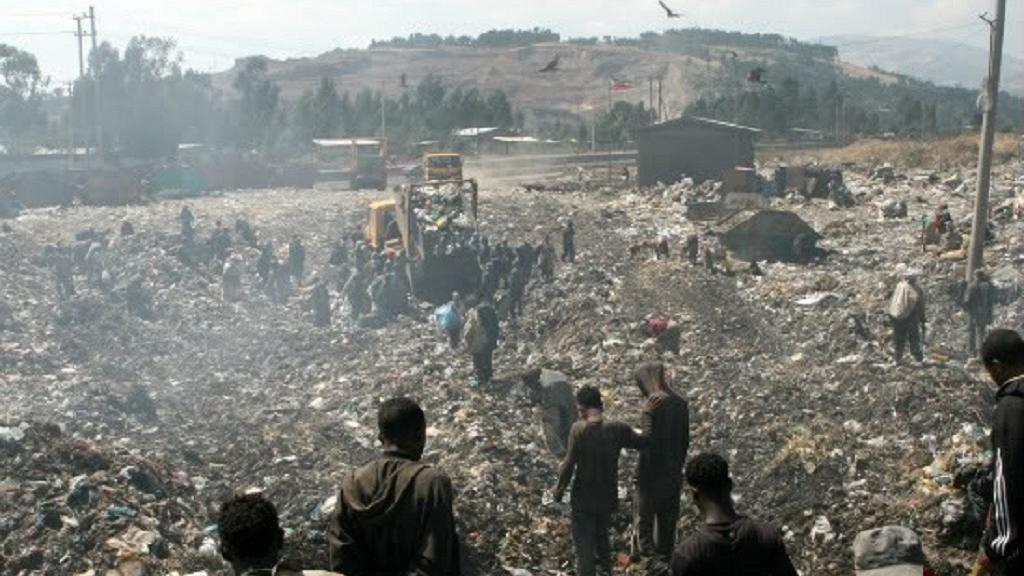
[
  {"x": 419, "y": 222},
  {"x": 443, "y": 168},
  {"x": 369, "y": 163}
]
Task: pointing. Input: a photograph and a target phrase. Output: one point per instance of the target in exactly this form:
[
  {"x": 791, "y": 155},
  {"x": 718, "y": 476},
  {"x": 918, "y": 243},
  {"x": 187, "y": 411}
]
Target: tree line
[{"x": 149, "y": 105}]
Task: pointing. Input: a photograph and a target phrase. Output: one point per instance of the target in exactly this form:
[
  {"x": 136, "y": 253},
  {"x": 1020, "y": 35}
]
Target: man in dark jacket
[
  {"x": 660, "y": 470},
  {"x": 1003, "y": 551},
  {"x": 592, "y": 464},
  {"x": 728, "y": 543},
  {"x": 395, "y": 514},
  {"x": 979, "y": 300}
]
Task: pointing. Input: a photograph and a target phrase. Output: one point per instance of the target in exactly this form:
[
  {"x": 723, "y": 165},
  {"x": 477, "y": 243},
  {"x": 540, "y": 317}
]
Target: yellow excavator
[{"x": 419, "y": 221}]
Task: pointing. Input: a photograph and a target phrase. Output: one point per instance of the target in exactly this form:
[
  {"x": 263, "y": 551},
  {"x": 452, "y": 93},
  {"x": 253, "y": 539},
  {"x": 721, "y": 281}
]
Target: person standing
[
  {"x": 591, "y": 464},
  {"x": 547, "y": 259},
  {"x": 552, "y": 393},
  {"x": 264, "y": 262},
  {"x": 660, "y": 469},
  {"x": 907, "y": 311},
  {"x": 355, "y": 291},
  {"x": 481, "y": 337},
  {"x": 728, "y": 543},
  {"x": 231, "y": 279},
  {"x": 569, "y": 243},
  {"x": 321, "y": 304},
  {"x": 187, "y": 220},
  {"x": 296, "y": 259},
  {"x": 1002, "y": 544},
  {"x": 979, "y": 299},
  {"x": 692, "y": 249},
  {"x": 395, "y": 514}
]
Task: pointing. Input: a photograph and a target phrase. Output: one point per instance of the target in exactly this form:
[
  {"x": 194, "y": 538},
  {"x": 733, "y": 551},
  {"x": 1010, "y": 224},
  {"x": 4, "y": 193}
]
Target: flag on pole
[{"x": 621, "y": 85}]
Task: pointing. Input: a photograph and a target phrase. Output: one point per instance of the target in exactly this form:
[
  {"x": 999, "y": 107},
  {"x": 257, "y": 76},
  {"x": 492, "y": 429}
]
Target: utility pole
[
  {"x": 661, "y": 114},
  {"x": 79, "y": 34},
  {"x": 650, "y": 96},
  {"x": 989, "y": 101},
  {"x": 81, "y": 75},
  {"x": 96, "y": 89}
]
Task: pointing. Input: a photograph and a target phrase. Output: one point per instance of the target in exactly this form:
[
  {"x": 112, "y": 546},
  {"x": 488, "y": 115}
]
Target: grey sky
[{"x": 212, "y": 33}]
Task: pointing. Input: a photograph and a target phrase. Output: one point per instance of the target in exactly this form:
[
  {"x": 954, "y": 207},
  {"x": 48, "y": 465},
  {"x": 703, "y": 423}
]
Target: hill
[
  {"x": 943, "y": 62},
  {"x": 708, "y": 72}
]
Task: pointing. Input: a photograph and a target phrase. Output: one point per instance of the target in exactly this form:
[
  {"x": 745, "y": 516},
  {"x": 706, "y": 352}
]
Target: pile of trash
[
  {"x": 787, "y": 374},
  {"x": 73, "y": 507}
]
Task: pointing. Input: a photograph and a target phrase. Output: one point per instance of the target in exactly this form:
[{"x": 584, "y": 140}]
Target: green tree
[
  {"x": 320, "y": 114},
  {"x": 20, "y": 96},
  {"x": 259, "y": 104}
]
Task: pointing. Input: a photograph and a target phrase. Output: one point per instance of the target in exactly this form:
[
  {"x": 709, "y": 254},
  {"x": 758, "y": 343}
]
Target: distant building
[{"x": 694, "y": 147}]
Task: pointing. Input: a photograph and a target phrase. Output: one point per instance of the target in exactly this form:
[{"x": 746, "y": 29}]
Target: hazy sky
[{"x": 212, "y": 33}]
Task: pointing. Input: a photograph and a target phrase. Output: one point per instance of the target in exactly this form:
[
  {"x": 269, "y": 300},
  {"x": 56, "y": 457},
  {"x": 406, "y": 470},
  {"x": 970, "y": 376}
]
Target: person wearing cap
[
  {"x": 979, "y": 300},
  {"x": 728, "y": 543},
  {"x": 907, "y": 311},
  {"x": 1002, "y": 551},
  {"x": 888, "y": 551}
]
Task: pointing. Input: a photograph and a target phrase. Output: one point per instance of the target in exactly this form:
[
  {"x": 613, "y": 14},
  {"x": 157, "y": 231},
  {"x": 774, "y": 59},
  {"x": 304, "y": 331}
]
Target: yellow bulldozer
[{"x": 422, "y": 222}]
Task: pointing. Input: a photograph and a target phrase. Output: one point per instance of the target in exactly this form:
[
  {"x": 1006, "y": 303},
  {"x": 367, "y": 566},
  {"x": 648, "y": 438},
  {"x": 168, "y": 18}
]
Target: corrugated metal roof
[
  {"x": 475, "y": 131},
  {"x": 701, "y": 121},
  {"x": 517, "y": 139},
  {"x": 344, "y": 142}
]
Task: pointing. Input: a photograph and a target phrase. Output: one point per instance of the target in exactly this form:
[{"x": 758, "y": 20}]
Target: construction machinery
[
  {"x": 369, "y": 163},
  {"x": 429, "y": 226},
  {"x": 441, "y": 168}
]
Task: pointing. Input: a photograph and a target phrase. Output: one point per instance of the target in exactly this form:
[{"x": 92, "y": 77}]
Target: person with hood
[
  {"x": 1002, "y": 545},
  {"x": 659, "y": 474},
  {"x": 251, "y": 538},
  {"x": 728, "y": 543},
  {"x": 394, "y": 514},
  {"x": 592, "y": 465},
  {"x": 481, "y": 337},
  {"x": 979, "y": 299},
  {"x": 907, "y": 311}
]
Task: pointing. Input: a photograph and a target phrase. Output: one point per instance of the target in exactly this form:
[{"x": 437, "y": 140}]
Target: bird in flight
[
  {"x": 552, "y": 66},
  {"x": 668, "y": 11}
]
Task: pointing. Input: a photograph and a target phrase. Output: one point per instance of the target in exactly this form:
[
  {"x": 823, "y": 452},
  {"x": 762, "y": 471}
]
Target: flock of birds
[{"x": 755, "y": 76}]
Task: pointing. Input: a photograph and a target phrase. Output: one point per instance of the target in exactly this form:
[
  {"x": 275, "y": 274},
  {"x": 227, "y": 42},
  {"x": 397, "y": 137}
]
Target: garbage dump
[{"x": 122, "y": 434}]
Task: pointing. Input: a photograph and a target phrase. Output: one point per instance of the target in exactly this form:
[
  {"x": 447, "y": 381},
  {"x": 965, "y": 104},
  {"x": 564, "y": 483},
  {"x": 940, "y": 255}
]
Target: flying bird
[
  {"x": 755, "y": 76},
  {"x": 668, "y": 11},
  {"x": 552, "y": 66}
]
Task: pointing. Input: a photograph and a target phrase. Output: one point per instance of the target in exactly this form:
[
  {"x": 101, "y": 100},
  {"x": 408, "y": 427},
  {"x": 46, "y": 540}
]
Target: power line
[{"x": 39, "y": 33}]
